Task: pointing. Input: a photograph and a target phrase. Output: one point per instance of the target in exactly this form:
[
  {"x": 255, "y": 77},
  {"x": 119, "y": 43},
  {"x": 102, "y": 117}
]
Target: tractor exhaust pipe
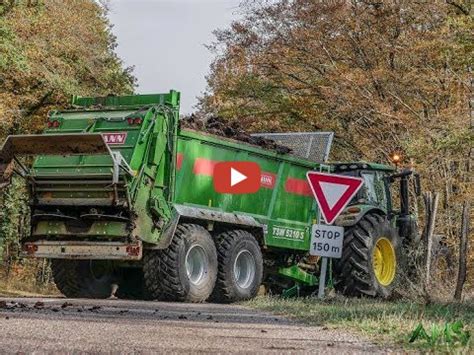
[
  {"x": 404, "y": 196},
  {"x": 404, "y": 190},
  {"x": 407, "y": 226}
]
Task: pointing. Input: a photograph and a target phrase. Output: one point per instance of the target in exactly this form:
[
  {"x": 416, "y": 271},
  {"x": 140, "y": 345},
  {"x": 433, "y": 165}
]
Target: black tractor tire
[
  {"x": 76, "y": 278},
  {"x": 237, "y": 246},
  {"x": 165, "y": 271},
  {"x": 354, "y": 272}
]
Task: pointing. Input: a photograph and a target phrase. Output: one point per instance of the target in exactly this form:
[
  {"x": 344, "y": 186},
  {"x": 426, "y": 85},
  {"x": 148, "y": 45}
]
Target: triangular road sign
[{"x": 333, "y": 192}]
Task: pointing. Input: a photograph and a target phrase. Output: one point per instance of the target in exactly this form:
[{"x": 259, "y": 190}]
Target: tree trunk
[
  {"x": 431, "y": 203},
  {"x": 463, "y": 242}
]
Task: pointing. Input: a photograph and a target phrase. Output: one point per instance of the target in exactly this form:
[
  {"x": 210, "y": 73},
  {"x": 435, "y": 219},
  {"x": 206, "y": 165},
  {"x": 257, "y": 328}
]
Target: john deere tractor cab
[{"x": 374, "y": 229}]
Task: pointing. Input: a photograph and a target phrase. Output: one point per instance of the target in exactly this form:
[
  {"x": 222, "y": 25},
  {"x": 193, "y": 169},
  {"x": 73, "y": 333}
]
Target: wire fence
[{"x": 314, "y": 146}]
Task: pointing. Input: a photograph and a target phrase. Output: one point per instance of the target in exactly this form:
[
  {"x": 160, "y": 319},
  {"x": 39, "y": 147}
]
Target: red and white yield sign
[{"x": 333, "y": 192}]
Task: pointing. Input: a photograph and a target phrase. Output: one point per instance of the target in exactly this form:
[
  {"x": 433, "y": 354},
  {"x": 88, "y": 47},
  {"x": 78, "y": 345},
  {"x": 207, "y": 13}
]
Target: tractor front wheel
[{"x": 370, "y": 259}]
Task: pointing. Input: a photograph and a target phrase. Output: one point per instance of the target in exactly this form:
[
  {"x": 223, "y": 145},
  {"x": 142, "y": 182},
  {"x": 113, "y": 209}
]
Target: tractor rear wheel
[
  {"x": 240, "y": 267},
  {"x": 185, "y": 271},
  {"x": 84, "y": 278},
  {"x": 370, "y": 259}
]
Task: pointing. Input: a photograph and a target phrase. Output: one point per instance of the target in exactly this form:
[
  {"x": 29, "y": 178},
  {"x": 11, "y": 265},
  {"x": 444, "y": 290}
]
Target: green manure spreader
[{"x": 123, "y": 203}]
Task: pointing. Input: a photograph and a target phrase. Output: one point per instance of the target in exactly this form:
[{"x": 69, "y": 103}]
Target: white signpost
[
  {"x": 326, "y": 241},
  {"x": 332, "y": 193}
]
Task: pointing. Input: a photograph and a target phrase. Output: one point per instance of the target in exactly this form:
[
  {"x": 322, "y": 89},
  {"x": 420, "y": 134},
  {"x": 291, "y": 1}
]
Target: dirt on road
[{"x": 64, "y": 325}]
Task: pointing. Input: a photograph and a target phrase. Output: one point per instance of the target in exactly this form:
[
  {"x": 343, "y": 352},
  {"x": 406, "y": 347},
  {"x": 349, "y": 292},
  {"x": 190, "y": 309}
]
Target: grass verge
[
  {"x": 17, "y": 289},
  {"x": 27, "y": 278},
  {"x": 384, "y": 322}
]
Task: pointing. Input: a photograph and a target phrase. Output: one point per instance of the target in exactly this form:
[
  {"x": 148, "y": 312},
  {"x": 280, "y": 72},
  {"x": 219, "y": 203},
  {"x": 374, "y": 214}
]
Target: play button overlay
[{"x": 237, "y": 177}]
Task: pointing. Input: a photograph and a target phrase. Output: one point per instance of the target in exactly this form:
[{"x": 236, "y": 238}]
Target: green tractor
[
  {"x": 375, "y": 232},
  {"x": 123, "y": 202}
]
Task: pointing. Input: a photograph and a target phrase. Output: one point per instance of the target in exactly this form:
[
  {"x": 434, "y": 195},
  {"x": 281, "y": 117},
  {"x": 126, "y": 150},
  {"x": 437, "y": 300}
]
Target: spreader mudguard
[{"x": 47, "y": 144}]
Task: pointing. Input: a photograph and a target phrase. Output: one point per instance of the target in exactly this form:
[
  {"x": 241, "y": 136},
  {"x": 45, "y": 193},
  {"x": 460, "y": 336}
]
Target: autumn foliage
[
  {"x": 385, "y": 76},
  {"x": 49, "y": 51}
]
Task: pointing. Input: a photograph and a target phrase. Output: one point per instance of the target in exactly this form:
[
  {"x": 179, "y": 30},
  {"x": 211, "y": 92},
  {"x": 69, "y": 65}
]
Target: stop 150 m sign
[{"x": 326, "y": 241}]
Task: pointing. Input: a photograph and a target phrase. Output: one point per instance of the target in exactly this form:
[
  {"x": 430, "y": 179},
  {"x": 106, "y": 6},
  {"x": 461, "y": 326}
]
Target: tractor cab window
[
  {"x": 374, "y": 188},
  {"x": 369, "y": 187},
  {"x": 373, "y": 191}
]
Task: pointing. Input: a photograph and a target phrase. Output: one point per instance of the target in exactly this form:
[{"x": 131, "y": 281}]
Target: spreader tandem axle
[{"x": 122, "y": 200}]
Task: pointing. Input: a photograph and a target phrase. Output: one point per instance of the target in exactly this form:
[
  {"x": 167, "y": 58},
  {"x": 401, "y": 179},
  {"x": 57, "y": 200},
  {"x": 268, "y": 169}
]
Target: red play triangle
[{"x": 333, "y": 192}]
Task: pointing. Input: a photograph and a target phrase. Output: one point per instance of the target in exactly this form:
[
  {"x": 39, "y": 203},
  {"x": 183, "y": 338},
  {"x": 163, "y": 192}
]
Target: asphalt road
[{"x": 64, "y": 325}]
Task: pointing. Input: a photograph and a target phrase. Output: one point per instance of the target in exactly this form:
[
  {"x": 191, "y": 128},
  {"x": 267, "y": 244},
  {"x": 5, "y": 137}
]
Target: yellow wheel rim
[{"x": 384, "y": 261}]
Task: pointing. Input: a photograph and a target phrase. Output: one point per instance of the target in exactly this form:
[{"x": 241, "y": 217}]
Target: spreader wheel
[
  {"x": 84, "y": 278},
  {"x": 240, "y": 267},
  {"x": 186, "y": 270}
]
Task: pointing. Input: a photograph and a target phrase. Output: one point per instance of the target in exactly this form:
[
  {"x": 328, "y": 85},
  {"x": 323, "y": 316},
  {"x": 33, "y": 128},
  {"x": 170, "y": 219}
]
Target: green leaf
[
  {"x": 448, "y": 330},
  {"x": 419, "y": 332},
  {"x": 435, "y": 334},
  {"x": 457, "y": 327}
]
